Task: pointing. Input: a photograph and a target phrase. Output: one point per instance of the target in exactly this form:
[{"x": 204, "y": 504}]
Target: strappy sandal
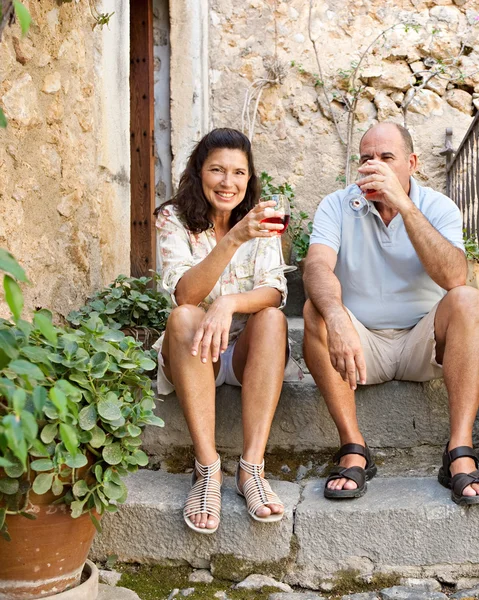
[
  {"x": 357, "y": 474},
  {"x": 257, "y": 491},
  {"x": 459, "y": 482},
  {"x": 204, "y": 496}
]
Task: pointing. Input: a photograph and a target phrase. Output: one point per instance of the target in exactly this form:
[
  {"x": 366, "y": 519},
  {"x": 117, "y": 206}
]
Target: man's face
[{"x": 384, "y": 143}]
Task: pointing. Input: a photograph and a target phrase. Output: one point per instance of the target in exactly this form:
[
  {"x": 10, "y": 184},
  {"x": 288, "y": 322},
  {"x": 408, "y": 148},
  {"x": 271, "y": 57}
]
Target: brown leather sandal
[
  {"x": 459, "y": 482},
  {"x": 357, "y": 474}
]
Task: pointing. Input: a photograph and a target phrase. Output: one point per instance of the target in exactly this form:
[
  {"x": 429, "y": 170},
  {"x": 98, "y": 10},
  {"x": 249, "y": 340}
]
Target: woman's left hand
[{"x": 213, "y": 332}]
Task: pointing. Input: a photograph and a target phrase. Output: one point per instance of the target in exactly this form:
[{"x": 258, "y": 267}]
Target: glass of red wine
[{"x": 281, "y": 216}]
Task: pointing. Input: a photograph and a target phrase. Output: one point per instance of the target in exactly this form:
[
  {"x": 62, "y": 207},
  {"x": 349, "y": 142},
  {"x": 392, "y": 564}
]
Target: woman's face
[{"x": 225, "y": 177}]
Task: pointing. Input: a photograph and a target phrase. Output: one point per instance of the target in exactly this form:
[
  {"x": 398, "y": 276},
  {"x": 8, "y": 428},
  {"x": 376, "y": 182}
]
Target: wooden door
[{"x": 143, "y": 241}]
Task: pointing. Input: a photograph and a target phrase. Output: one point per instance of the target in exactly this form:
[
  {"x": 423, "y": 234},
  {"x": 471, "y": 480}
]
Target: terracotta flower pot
[{"x": 44, "y": 556}]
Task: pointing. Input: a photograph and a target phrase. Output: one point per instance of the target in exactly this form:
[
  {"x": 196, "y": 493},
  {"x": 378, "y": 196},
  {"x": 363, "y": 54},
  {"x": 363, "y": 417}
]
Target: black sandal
[
  {"x": 357, "y": 474},
  {"x": 460, "y": 481}
]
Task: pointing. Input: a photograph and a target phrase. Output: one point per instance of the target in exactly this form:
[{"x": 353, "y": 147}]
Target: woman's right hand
[{"x": 251, "y": 226}]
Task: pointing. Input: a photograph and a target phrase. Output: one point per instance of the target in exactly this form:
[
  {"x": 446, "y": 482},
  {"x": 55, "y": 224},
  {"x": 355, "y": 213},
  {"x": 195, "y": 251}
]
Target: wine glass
[
  {"x": 356, "y": 205},
  {"x": 281, "y": 215}
]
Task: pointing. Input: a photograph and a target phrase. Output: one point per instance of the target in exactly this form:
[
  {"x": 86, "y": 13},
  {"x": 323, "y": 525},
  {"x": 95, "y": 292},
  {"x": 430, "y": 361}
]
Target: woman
[{"x": 220, "y": 264}]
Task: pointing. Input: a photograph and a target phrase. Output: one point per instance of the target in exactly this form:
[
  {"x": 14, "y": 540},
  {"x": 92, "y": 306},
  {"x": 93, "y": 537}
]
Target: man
[{"x": 387, "y": 300}]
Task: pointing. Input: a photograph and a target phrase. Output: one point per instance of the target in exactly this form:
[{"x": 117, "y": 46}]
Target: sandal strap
[
  {"x": 450, "y": 456},
  {"x": 356, "y": 474},
  {"x": 205, "y": 494},
  {"x": 257, "y": 490},
  {"x": 353, "y": 449},
  {"x": 460, "y": 481}
]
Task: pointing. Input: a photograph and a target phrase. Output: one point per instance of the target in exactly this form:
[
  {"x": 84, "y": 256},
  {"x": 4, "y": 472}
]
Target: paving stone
[
  {"x": 295, "y": 596},
  {"x": 201, "y": 576},
  {"x": 406, "y": 593},
  {"x": 470, "y": 593},
  {"x": 107, "y": 592},
  {"x": 173, "y": 594},
  {"x": 149, "y": 527},
  {"x": 362, "y": 596},
  {"x": 467, "y": 583},
  {"x": 431, "y": 585},
  {"x": 400, "y": 523},
  {"x": 258, "y": 582},
  {"x": 108, "y": 577}
]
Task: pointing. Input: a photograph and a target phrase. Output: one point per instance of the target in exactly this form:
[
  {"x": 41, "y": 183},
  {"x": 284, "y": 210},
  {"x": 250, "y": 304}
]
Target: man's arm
[
  {"x": 444, "y": 263},
  {"x": 324, "y": 291}
]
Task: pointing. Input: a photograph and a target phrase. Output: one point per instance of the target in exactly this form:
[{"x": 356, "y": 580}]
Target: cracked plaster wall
[
  {"x": 295, "y": 138},
  {"x": 64, "y": 157}
]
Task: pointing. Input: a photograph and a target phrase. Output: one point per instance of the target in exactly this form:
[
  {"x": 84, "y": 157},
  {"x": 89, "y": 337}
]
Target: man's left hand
[{"x": 380, "y": 178}]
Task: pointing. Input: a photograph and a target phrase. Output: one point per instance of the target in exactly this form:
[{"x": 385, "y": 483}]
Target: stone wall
[
  {"x": 295, "y": 138},
  {"x": 64, "y": 157}
]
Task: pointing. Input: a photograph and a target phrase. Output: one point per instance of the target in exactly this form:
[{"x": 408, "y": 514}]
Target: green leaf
[
  {"x": 133, "y": 430},
  {"x": 13, "y": 467},
  {"x": 72, "y": 391},
  {"x": 23, "y": 16},
  {"x": 98, "y": 438},
  {"x": 3, "y": 512},
  {"x": 77, "y": 461},
  {"x": 29, "y": 425},
  {"x": 13, "y": 431},
  {"x": 152, "y": 420},
  {"x": 42, "y": 483},
  {"x": 112, "y": 335},
  {"x": 141, "y": 458},
  {"x": 98, "y": 473},
  {"x": 43, "y": 464},
  {"x": 24, "y": 367},
  {"x": 80, "y": 488},
  {"x": 45, "y": 325},
  {"x": 8, "y": 343},
  {"x": 59, "y": 399},
  {"x": 95, "y": 522},
  {"x": 3, "y": 119},
  {"x": 29, "y": 516},
  {"x": 69, "y": 438},
  {"x": 57, "y": 486},
  {"x": 112, "y": 454},
  {"x": 109, "y": 409},
  {"x": 10, "y": 265},
  {"x": 77, "y": 508},
  {"x": 111, "y": 561},
  {"x": 19, "y": 399},
  {"x": 147, "y": 364},
  {"x": 13, "y": 296},
  {"x": 36, "y": 354},
  {"x": 39, "y": 399},
  {"x": 112, "y": 491},
  {"x": 49, "y": 433},
  {"x": 9, "y": 486},
  {"x": 88, "y": 417}
]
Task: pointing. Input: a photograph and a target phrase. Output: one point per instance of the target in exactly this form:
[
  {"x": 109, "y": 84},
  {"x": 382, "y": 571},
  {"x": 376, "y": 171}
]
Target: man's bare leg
[
  {"x": 336, "y": 392},
  {"x": 457, "y": 338},
  {"x": 195, "y": 388}
]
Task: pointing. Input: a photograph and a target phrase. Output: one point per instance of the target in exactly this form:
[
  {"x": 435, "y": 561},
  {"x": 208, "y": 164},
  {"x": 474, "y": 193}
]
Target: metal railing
[{"x": 462, "y": 172}]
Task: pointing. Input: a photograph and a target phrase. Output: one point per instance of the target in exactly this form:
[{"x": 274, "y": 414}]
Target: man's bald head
[{"x": 403, "y": 132}]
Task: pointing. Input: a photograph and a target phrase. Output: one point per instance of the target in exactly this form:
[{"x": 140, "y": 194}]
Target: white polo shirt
[{"x": 383, "y": 281}]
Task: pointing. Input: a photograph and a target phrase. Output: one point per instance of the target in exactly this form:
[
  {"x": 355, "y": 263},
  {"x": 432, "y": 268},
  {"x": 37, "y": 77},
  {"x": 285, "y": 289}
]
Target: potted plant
[
  {"x": 472, "y": 255},
  {"x": 73, "y": 403},
  {"x": 130, "y": 304}
]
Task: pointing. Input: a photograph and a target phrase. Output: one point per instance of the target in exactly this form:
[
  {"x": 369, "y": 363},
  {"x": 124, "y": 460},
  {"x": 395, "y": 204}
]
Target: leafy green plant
[
  {"x": 73, "y": 404},
  {"x": 471, "y": 247},
  {"x": 300, "y": 224},
  {"x": 127, "y": 302}
]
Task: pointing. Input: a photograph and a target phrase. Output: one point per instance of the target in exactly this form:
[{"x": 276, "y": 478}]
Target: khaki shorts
[{"x": 404, "y": 354}]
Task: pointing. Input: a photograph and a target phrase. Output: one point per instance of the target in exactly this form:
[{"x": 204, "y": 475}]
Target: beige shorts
[{"x": 404, "y": 354}]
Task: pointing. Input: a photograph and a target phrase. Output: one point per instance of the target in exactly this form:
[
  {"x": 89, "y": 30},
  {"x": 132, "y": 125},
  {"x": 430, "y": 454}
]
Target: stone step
[
  {"x": 395, "y": 414},
  {"x": 403, "y": 526}
]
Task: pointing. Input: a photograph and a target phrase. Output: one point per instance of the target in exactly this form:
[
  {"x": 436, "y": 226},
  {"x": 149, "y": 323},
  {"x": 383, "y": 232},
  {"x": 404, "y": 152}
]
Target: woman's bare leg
[
  {"x": 195, "y": 387},
  {"x": 258, "y": 362}
]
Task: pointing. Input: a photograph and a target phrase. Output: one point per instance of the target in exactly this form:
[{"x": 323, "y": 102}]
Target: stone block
[
  {"x": 149, "y": 527},
  {"x": 407, "y": 593},
  {"x": 295, "y": 596},
  {"x": 106, "y": 592},
  {"x": 395, "y": 414},
  {"x": 466, "y": 594},
  {"x": 431, "y": 585},
  {"x": 362, "y": 596},
  {"x": 399, "y": 524}
]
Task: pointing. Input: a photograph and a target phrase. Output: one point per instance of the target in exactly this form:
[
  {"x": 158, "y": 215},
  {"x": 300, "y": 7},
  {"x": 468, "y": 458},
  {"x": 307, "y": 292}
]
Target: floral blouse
[{"x": 254, "y": 265}]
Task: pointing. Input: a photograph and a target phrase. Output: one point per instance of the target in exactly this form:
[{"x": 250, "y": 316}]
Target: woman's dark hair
[{"x": 190, "y": 200}]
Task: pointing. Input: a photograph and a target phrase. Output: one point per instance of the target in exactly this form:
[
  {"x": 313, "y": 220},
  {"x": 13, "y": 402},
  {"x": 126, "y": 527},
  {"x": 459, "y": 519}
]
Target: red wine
[{"x": 278, "y": 221}]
